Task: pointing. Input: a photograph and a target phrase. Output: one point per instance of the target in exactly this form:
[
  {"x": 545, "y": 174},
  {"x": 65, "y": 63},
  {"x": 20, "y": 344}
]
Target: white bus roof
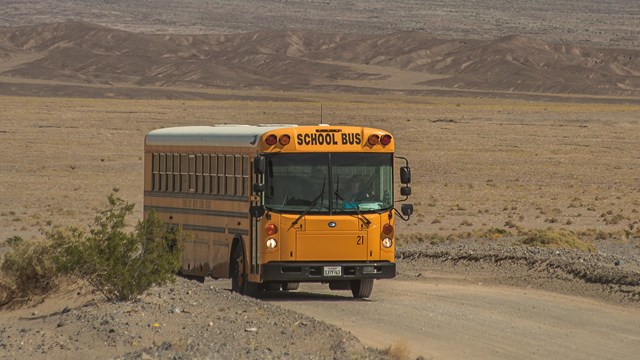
[{"x": 218, "y": 135}]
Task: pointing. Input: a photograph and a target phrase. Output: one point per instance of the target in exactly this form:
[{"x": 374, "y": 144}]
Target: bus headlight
[
  {"x": 272, "y": 243},
  {"x": 387, "y": 242}
]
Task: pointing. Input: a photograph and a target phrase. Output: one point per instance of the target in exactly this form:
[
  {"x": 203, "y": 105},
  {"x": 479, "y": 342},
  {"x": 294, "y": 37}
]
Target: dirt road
[{"x": 446, "y": 317}]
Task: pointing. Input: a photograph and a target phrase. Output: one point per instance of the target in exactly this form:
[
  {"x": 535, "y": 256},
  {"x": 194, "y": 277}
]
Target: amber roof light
[{"x": 285, "y": 139}]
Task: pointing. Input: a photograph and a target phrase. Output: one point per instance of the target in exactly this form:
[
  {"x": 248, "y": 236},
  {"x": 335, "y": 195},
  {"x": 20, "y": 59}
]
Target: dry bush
[
  {"x": 28, "y": 270},
  {"x": 118, "y": 264},
  {"x": 398, "y": 351},
  {"x": 556, "y": 239},
  {"x": 492, "y": 233}
]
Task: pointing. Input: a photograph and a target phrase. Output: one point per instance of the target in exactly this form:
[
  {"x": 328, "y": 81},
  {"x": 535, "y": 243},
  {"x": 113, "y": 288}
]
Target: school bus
[{"x": 271, "y": 206}]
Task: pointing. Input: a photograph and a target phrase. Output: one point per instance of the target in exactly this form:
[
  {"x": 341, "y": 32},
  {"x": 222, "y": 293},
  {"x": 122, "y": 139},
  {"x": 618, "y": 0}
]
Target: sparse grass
[
  {"x": 510, "y": 224},
  {"x": 435, "y": 239},
  {"x": 562, "y": 239},
  {"x": 614, "y": 219},
  {"x": 466, "y": 223},
  {"x": 398, "y": 351}
]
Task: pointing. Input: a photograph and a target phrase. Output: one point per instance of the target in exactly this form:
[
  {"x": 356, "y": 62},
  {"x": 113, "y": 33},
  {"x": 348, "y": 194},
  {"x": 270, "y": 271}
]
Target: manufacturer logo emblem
[{"x": 332, "y": 224}]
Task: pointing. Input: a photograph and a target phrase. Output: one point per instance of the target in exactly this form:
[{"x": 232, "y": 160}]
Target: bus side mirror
[
  {"x": 406, "y": 209},
  {"x": 256, "y": 211},
  {"x": 405, "y": 191},
  {"x": 405, "y": 175},
  {"x": 259, "y": 165}
]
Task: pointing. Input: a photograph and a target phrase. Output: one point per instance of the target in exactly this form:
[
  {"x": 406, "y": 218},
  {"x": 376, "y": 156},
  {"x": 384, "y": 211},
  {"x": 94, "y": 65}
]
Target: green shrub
[
  {"x": 122, "y": 265},
  {"x": 119, "y": 264},
  {"x": 556, "y": 239}
]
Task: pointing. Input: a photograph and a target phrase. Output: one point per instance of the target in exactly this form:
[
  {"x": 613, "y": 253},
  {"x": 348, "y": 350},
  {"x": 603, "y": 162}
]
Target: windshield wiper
[
  {"x": 311, "y": 206},
  {"x": 355, "y": 207}
]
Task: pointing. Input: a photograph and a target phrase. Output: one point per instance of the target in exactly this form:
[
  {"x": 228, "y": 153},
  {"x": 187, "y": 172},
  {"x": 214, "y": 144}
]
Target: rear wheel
[
  {"x": 362, "y": 288},
  {"x": 239, "y": 277}
]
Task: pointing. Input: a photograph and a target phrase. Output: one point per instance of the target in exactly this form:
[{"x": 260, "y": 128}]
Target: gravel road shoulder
[{"x": 611, "y": 274}]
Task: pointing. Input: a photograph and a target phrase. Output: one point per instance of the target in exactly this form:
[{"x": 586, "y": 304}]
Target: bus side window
[
  {"x": 220, "y": 184},
  {"x": 163, "y": 173},
  {"x": 155, "y": 171},
  {"x": 214, "y": 174},
  {"x": 245, "y": 175},
  {"x": 237, "y": 172},
  {"x": 206, "y": 180},
  {"x": 169, "y": 172},
  {"x": 191, "y": 185},
  {"x": 229, "y": 176},
  {"x": 176, "y": 172},
  {"x": 184, "y": 173}
]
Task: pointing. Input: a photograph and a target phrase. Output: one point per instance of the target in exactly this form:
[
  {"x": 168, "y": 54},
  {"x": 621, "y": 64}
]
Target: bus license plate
[{"x": 332, "y": 271}]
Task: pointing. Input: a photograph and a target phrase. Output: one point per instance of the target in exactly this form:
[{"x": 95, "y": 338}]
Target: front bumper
[{"x": 314, "y": 271}]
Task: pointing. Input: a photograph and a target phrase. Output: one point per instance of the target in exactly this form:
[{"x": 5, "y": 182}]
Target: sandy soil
[
  {"x": 477, "y": 164},
  {"x": 489, "y": 163}
]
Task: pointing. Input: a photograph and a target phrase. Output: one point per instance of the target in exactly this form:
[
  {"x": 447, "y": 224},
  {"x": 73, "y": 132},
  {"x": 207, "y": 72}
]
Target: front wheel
[
  {"x": 239, "y": 277},
  {"x": 362, "y": 288}
]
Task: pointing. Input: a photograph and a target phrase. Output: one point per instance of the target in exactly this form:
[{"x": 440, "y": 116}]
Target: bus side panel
[
  {"x": 219, "y": 258},
  {"x": 209, "y": 216}
]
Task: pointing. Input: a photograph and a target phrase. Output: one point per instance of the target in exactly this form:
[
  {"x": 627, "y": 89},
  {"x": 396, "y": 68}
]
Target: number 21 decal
[{"x": 360, "y": 240}]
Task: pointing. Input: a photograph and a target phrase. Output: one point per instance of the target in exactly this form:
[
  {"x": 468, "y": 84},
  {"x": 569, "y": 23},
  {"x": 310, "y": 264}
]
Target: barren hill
[{"x": 85, "y": 54}]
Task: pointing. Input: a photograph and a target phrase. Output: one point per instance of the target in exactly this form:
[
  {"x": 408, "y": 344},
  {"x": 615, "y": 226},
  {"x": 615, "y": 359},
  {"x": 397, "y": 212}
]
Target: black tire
[
  {"x": 239, "y": 277},
  {"x": 235, "y": 273},
  {"x": 291, "y": 286},
  {"x": 362, "y": 288}
]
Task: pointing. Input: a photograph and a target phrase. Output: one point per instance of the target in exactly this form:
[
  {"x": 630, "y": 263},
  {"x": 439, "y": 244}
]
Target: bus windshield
[{"x": 320, "y": 183}]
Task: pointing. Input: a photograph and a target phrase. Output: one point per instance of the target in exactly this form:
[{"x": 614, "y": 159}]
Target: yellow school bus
[{"x": 274, "y": 205}]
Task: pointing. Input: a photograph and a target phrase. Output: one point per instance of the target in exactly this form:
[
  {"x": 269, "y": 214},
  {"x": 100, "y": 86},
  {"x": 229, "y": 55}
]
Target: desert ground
[
  {"x": 477, "y": 163},
  {"x": 515, "y": 117}
]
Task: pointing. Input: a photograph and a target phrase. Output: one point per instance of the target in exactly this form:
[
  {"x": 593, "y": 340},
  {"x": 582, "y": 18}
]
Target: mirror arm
[
  {"x": 400, "y": 215},
  {"x": 406, "y": 162}
]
